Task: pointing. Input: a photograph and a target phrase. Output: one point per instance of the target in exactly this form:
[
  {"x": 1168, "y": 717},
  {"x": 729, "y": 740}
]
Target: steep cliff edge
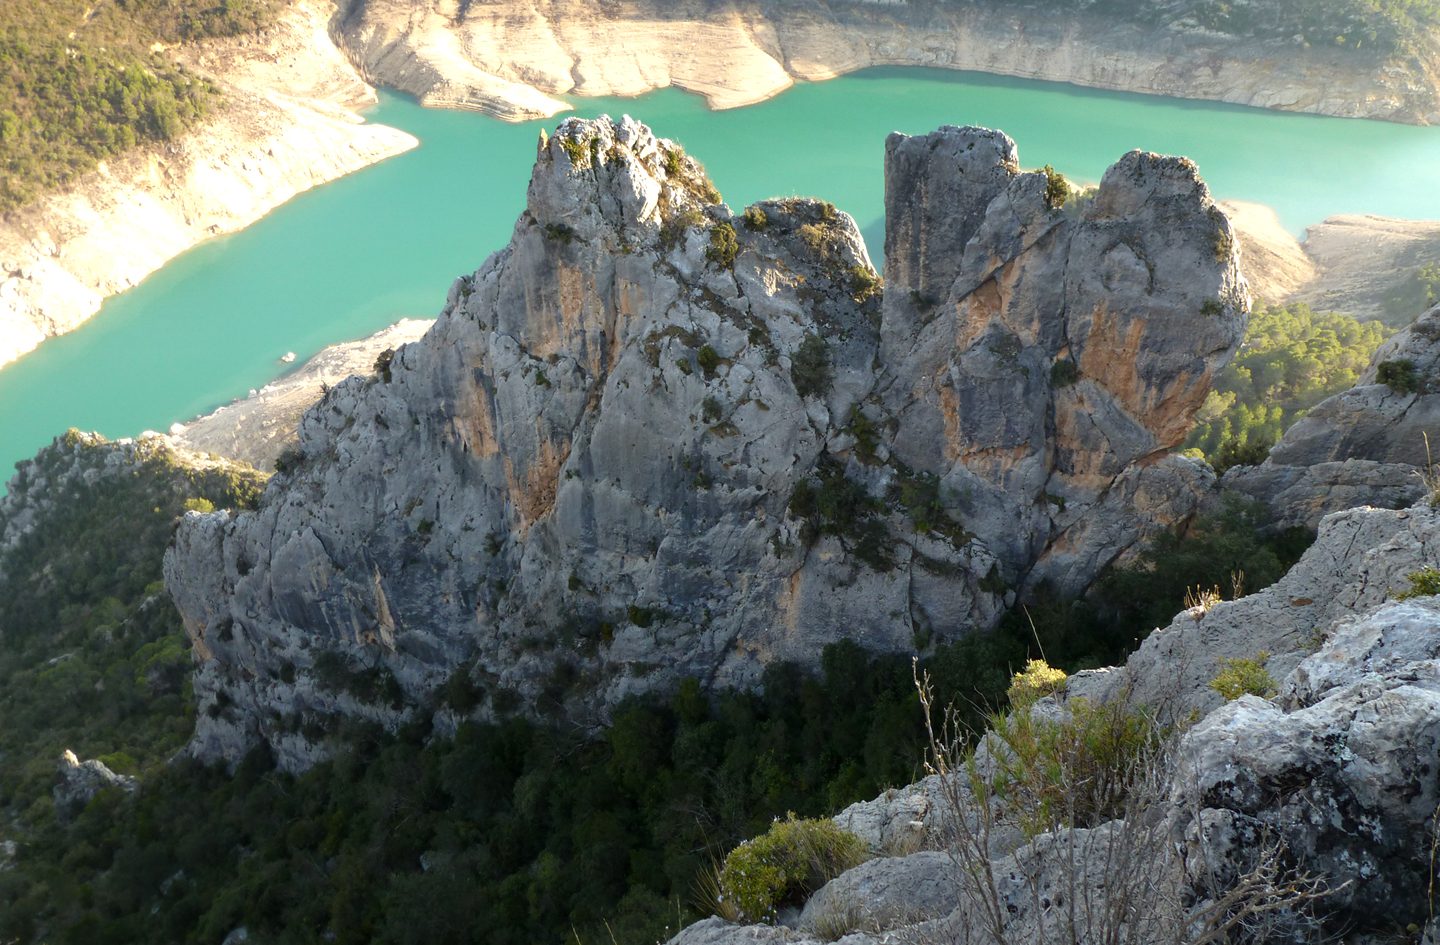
[
  {"x": 652, "y": 439},
  {"x": 286, "y": 123},
  {"x": 513, "y": 57}
]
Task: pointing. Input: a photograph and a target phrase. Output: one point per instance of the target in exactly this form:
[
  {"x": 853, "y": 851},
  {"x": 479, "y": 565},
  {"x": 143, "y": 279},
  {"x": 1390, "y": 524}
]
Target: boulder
[
  {"x": 79, "y": 781},
  {"x": 1341, "y": 771}
]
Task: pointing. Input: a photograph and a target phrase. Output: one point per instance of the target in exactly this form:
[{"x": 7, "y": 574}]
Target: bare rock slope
[{"x": 653, "y": 439}]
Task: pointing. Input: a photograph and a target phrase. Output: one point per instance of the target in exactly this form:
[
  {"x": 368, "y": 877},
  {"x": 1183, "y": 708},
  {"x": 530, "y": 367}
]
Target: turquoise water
[{"x": 346, "y": 259}]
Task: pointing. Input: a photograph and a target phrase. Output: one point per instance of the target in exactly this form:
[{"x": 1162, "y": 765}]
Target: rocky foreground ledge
[
  {"x": 1335, "y": 769},
  {"x": 655, "y": 439}
]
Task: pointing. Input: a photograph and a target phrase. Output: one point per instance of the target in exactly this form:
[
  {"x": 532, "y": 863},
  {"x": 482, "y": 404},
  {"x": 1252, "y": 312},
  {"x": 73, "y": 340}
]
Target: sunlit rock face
[{"x": 652, "y": 439}]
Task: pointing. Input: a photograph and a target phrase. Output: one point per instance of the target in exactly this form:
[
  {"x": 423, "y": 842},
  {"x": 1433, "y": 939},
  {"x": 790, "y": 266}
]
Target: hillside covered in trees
[
  {"x": 1293, "y": 358},
  {"x": 81, "y": 82}
]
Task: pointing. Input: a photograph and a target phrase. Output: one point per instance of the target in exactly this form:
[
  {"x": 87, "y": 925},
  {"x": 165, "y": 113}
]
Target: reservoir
[{"x": 346, "y": 259}]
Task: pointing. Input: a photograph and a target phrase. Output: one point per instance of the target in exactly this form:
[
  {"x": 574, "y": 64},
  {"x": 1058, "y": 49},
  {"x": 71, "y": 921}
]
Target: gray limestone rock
[
  {"x": 885, "y": 893},
  {"x": 902, "y": 820},
  {"x": 79, "y": 781},
  {"x": 652, "y": 440},
  {"x": 1359, "y": 558},
  {"x": 715, "y": 931},
  {"x": 1043, "y": 361},
  {"x": 1342, "y": 770}
]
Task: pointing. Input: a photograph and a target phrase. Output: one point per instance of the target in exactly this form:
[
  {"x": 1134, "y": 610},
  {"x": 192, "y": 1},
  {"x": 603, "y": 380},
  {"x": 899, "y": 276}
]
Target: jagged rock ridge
[{"x": 652, "y": 439}]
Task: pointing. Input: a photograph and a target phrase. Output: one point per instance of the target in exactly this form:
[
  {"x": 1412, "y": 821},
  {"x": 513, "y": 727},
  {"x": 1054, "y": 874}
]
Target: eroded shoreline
[{"x": 289, "y": 122}]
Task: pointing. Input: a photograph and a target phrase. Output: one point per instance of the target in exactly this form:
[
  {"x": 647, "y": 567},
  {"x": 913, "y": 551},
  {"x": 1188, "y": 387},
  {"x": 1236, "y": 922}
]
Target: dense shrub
[
  {"x": 783, "y": 866},
  {"x": 1400, "y": 376},
  {"x": 1037, "y": 680},
  {"x": 1071, "y": 770},
  {"x": 724, "y": 246},
  {"x": 810, "y": 367},
  {"x": 1064, "y": 373},
  {"x": 1240, "y": 676},
  {"x": 1057, "y": 188},
  {"x": 834, "y": 504},
  {"x": 1423, "y": 583},
  {"x": 865, "y": 283},
  {"x": 709, "y": 360}
]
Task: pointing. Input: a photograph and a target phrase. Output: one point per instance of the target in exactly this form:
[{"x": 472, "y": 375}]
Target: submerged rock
[{"x": 652, "y": 439}]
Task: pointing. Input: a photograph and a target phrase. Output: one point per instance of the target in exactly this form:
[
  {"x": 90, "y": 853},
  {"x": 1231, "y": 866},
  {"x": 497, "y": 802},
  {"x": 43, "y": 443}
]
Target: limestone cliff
[
  {"x": 286, "y": 123},
  {"x": 653, "y": 439},
  {"x": 511, "y": 58}
]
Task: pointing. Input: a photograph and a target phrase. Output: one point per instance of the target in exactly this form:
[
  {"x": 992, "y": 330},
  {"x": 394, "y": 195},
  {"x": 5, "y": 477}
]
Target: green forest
[
  {"x": 81, "y": 83},
  {"x": 1292, "y": 358},
  {"x": 512, "y": 832}
]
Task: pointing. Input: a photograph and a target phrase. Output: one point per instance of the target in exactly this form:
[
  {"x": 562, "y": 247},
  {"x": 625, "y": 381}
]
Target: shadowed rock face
[{"x": 650, "y": 439}]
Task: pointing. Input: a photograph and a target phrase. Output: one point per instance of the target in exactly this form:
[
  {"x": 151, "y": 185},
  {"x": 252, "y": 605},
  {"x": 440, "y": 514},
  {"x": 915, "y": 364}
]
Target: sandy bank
[
  {"x": 255, "y": 430},
  {"x": 1353, "y": 264}
]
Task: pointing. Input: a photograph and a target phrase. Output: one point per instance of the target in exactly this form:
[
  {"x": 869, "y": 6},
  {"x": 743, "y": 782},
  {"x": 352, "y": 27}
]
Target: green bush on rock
[
  {"x": 783, "y": 866},
  {"x": 1423, "y": 583},
  {"x": 1241, "y": 676}
]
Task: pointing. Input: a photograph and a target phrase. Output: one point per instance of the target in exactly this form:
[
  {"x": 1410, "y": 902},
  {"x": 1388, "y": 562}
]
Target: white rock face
[
  {"x": 512, "y": 58},
  {"x": 651, "y": 440},
  {"x": 286, "y": 124}
]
